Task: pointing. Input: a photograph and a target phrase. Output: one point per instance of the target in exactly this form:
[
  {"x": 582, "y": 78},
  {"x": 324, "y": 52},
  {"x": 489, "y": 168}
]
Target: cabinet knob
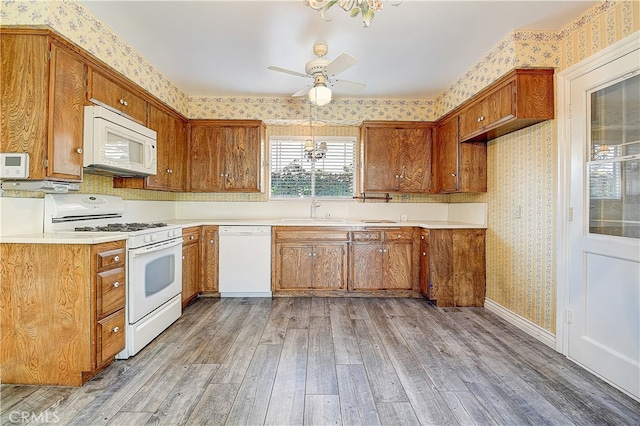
[
  {"x": 116, "y": 258},
  {"x": 211, "y": 241},
  {"x": 422, "y": 237},
  {"x": 191, "y": 237},
  {"x": 183, "y": 258},
  {"x": 453, "y": 174},
  {"x": 384, "y": 250},
  {"x": 123, "y": 102},
  {"x": 424, "y": 253},
  {"x": 79, "y": 150},
  {"x": 116, "y": 329},
  {"x": 116, "y": 284}
]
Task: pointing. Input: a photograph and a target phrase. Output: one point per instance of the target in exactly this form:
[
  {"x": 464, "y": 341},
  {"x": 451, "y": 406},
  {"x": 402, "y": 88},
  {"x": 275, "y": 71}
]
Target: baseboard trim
[{"x": 522, "y": 323}]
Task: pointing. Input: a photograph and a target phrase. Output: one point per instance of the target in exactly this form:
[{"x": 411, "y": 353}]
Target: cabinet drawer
[
  {"x": 403, "y": 234},
  {"x": 191, "y": 235},
  {"x": 109, "y": 93},
  {"x": 110, "y": 334},
  {"x": 110, "y": 255},
  {"x": 366, "y": 235},
  {"x": 111, "y": 291},
  {"x": 310, "y": 234}
]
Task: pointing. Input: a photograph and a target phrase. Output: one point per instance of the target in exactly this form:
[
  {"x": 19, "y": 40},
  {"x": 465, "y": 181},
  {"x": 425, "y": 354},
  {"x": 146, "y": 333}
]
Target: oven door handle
[{"x": 151, "y": 249}]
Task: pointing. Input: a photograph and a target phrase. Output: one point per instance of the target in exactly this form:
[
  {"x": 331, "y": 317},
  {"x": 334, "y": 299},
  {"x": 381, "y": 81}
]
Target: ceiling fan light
[{"x": 320, "y": 95}]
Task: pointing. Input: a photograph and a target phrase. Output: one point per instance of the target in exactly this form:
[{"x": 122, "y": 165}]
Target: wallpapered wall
[{"x": 522, "y": 166}]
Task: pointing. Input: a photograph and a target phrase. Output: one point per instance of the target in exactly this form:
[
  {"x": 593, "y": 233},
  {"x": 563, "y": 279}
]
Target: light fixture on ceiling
[
  {"x": 319, "y": 94},
  {"x": 315, "y": 151},
  {"x": 366, "y": 8}
]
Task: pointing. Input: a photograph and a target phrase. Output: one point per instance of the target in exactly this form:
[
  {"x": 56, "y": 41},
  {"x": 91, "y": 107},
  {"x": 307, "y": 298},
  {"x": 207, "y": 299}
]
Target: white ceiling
[{"x": 414, "y": 50}]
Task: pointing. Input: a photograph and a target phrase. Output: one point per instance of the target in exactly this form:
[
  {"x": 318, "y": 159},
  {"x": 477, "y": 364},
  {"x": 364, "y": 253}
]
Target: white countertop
[
  {"x": 103, "y": 237},
  {"x": 351, "y": 223},
  {"x": 65, "y": 238}
]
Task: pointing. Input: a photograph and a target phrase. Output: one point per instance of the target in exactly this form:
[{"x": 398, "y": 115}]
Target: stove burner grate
[{"x": 120, "y": 227}]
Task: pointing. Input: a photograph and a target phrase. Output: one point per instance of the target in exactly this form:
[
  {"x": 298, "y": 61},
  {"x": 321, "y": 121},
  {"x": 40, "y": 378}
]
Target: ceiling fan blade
[
  {"x": 347, "y": 85},
  {"x": 341, "y": 63},
  {"x": 303, "y": 91},
  {"x": 286, "y": 71}
]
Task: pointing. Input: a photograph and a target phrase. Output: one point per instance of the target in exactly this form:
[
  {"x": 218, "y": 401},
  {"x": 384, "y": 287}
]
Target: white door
[{"x": 604, "y": 235}]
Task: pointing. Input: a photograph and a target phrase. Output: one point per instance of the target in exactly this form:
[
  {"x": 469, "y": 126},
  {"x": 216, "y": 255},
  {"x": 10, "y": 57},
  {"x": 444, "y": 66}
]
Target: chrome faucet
[{"x": 314, "y": 206}]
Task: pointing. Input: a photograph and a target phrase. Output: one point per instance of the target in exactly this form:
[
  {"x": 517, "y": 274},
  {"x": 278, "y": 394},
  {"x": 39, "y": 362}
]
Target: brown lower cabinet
[
  {"x": 306, "y": 258},
  {"x": 383, "y": 259},
  {"x": 190, "y": 264},
  {"x": 209, "y": 260},
  {"x": 62, "y": 318},
  {"x": 456, "y": 271},
  {"x": 345, "y": 261},
  {"x": 199, "y": 262}
]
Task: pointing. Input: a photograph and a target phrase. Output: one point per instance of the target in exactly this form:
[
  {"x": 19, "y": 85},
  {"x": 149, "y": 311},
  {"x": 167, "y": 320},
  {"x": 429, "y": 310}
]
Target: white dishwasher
[{"x": 244, "y": 261}]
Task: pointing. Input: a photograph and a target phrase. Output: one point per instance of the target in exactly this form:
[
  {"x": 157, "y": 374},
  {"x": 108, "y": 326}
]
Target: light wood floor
[{"x": 294, "y": 361}]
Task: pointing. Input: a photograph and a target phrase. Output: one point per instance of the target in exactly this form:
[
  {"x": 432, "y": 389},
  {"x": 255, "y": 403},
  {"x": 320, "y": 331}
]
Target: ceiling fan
[{"x": 323, "y": 72}]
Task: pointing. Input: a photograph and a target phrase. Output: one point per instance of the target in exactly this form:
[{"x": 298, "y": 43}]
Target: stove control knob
[
  {"x": 171, "y": 233},
  {"x": 147, "y": 239},
  {"x": 153, "y": 237}
]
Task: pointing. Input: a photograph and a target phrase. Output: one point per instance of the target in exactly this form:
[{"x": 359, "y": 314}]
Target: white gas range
[{"x": 154, "y": 260}]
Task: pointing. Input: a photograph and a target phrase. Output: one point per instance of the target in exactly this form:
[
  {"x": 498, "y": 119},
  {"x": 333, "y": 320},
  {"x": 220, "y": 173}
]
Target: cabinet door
[
  {"x": 469, "y": 267},
  {"x": 162, "y": 123},
  {"x": 177, "y": 159},
  {"x": 398, "y": 261},
  {"x": 500, "y": 105},
  {"x": 446, "y": 156},
  {"x": 170, "y": 148},
  {"x": 415, "y": 159},
  {"x": 329, "y": 266},
  {"x": 424, "y": 262},
  {"x": 472, "y": 166},
  {"x": 381, "y": 152},
  {"x": 441, "y": 266},
  {"x": 66, "y": 115},
  {"x": 367, "y": 266},
  {"x": 472, "y": 118},
  {"x": 204, "y": 170},
  {"x": 240, "y": 155},
  {"x": 294, "y": 265},
  {"x": 106, "y": 92},
  {"x": 209, "y": 252},
  {"x": 24, "y": 86},
  {"x": 190, "y": 271}
]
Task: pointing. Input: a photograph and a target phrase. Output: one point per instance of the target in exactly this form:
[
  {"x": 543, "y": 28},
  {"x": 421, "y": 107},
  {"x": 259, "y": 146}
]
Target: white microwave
[{"x": 116, "y": 145}]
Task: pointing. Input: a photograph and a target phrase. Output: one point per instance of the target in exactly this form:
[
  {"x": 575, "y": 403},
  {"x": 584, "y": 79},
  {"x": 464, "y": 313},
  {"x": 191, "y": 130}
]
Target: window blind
[{"x": 295, "y": 175}]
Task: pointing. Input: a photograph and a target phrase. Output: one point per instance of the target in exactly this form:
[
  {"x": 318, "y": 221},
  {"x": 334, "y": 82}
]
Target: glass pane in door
[{"x": 614, "y": 160}]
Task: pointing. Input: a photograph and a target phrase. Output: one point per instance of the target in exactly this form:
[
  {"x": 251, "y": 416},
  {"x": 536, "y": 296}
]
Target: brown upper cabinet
[
  {"x": 226, "y": 156},
  {"x": 458, "y": 166},
  {"x": 43, "y": 97},
  {"x": 521, "y": 98},
  {"x": 396, "y": 156},
  {"x": 104, "y": 91},
  {"x": 172, "y": 147}
]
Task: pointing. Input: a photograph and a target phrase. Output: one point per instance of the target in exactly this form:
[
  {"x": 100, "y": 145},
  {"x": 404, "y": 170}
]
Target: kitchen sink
[{"x": 311, "y": 220}]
